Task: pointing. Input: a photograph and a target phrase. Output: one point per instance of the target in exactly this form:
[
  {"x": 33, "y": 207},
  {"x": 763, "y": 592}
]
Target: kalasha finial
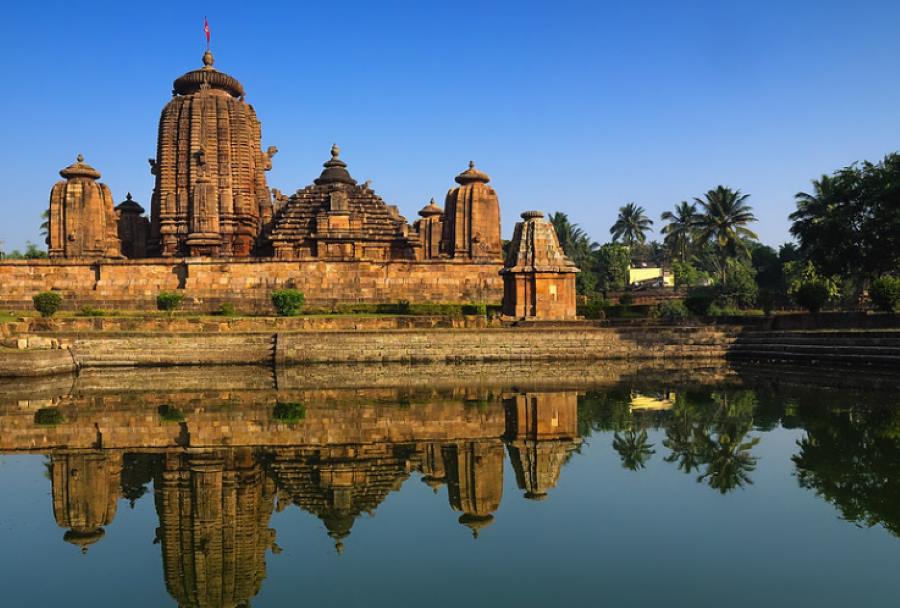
[
  {"x": 208, "y": 59},
  {"x": 471, "y": 164},
  {"x": 79, "y": 158},
  {"x": 128, "y": 197},
  {"x": 335, "y": 151}
]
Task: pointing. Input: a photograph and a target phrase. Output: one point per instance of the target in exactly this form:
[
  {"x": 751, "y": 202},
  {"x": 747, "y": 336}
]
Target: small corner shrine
[{"x": 538, "y": 278}]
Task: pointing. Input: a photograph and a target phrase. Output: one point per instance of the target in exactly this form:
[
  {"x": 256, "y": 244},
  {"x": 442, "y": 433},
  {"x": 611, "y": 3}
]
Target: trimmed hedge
[
  {"x": 168, "y": 301},
  {"x": 47, "y": 303},
  {"x": 287, "y": 302},
  {"x": 289, "y": 412}
]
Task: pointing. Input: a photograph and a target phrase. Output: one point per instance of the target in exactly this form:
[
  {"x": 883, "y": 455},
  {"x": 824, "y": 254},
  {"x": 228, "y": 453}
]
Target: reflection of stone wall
[{"x": 214, "y": 509}]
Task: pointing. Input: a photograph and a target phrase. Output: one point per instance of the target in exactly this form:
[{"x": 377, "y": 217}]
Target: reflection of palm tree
[
  {"x": 727, "y": 450},
  {"x": 713, "y": 436},
  {"x": 729, "y": 462},
  {"x": 682, "y": 435},
  {"x": 634, "y": 448}
]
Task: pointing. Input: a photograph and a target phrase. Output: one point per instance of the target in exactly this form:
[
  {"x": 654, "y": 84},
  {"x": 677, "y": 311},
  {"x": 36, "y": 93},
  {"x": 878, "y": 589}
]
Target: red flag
[{"x": 206, "y": 31}]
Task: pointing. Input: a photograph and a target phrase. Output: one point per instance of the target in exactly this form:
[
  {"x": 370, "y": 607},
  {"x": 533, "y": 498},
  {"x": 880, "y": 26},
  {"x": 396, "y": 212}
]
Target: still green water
[{"x": 728, "y": 488}]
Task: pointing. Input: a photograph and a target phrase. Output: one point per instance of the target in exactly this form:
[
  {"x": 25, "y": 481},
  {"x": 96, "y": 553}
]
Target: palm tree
[
  {"x": 45, "y": 224},
  {"x": 632, "y": 225},
  {"x": 724, "y": 221},
  {"x": 575, "y": 242},
  {"x": 681, "y": 230}
]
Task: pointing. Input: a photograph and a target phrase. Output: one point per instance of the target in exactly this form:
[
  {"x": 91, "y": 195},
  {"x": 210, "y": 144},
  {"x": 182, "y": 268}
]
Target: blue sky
[{"x": 579, "y": 107}]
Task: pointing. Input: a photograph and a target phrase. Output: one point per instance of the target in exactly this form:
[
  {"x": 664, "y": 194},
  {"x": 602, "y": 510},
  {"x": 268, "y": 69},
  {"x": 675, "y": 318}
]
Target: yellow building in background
[{"x": 641, "y": 275}]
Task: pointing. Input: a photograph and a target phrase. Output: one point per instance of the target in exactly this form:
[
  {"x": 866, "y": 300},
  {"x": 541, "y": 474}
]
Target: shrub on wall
[
  {"x": 47, "y": 303},
  {"x": 672, "y": 310},
  {"x": 90, "y": 311},
  {"x": 168, "y": 301},
  {"x": 594, "y": 308},
  {"x": 226, "y": 309},
  {"x": 885, "y": 293},
  {"x": 48, "y": 416},
  {"x": 699, "y": 300},
  {"x": 812, "y": 294},
  {"x": 287, "y": 302},
  {"x": 289, "y": 412},
  {"x": 167, "y": 413}
]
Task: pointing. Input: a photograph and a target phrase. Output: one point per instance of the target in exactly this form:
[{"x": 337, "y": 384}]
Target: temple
[
  {"x": 218, "y": 234},
  {"x": 211, "y": 199}
]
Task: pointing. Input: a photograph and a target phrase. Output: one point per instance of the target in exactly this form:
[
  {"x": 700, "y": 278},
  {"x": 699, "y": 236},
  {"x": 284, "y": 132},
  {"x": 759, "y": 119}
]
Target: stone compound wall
[
  {"x": 207, "y": 283},
  {"x": 140, "y": 349}
]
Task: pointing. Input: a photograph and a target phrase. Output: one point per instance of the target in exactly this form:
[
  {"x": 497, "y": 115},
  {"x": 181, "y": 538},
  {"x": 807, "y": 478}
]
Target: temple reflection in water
[
  {"x": 340, "y": 461},
  {"x": 221, "y": 455}
]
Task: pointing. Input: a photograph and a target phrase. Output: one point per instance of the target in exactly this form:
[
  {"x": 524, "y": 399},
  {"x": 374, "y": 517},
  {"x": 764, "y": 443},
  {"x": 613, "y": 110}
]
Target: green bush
[
  {"x": 226, "y": 309},
  {"x": 699, "y": 300},
  {"x": 289, "y": 412},
  {"x": 479, "y": 309},
  {"x": 48, "y": 416},
  {"x": 287, "y": 302},
  {"x": 167, "y": 413},
  {"x": 672, "y": 310},
  {"x": 168, "y": 301},
  {"x": 766, "y": 301},
  {"x": 885, "y": 293},
  {"x": 594, "y": 308},
  {"x": 724, "y": 310},
  {"x": 812, "y": 294},
  {"x": 47, "y": 303},
  {"x": 90, "y": 311}
]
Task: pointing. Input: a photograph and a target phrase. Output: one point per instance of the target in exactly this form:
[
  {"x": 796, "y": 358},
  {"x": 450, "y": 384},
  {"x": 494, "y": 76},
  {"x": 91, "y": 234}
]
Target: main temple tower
[{"x": 211, "y": 196}]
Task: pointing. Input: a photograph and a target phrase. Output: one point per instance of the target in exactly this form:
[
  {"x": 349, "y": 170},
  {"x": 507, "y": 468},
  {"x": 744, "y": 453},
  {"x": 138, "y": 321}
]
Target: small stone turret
[
  {"x": 429, "y": 229},
  {"x": 471, "y": 227},
  {"x": 538, "y": 278},
  {"x": 133, "y": 228},
  {"x": 82, "y": 221}
]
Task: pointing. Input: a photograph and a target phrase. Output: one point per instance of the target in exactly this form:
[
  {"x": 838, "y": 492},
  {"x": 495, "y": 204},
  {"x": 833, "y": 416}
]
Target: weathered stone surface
[
  {"x": 335, "y": 218},
  {"x": 211, "y": 196},
  {"x": 471, "y": 224},
  {"x": 538, "y": 278},
  {"x": 82, "y": 221},
  {"x": 206, "y": 283},
  {"x": 133, "y": 228}
]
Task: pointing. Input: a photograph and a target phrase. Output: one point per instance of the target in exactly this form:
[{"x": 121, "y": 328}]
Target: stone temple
[
  {"x": 211, "y": 198},
  {"x": 217, "y": 232}
]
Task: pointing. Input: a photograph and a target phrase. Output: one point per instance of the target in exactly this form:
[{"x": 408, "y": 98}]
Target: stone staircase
[{"x": 875, "y": 348}]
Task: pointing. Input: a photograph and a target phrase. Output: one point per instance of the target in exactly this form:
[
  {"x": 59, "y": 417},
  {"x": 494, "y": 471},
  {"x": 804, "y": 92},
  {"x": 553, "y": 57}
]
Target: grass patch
[
  {"x": 167, "y": 413},
  {"x": 289, "y": 412},
  {"x": 49, "y": 416}
]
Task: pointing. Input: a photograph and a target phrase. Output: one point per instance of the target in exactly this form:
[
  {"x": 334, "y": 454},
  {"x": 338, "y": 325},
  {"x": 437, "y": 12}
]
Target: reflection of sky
[{"x": 605, "y": 536}]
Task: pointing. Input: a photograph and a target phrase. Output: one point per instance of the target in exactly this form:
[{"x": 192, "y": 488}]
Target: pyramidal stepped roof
[{"x": 535, "y": 247}]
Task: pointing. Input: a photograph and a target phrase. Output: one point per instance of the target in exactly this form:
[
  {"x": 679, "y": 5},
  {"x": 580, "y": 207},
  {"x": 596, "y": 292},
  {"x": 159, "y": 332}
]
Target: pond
[{"x": 452, "y": 486}]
